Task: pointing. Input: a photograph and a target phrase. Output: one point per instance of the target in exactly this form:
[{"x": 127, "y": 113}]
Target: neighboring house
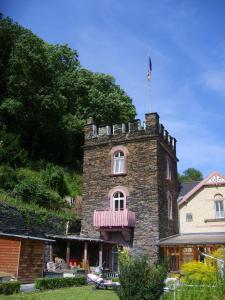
[
  {"x": 201, "y": 218},
  {"x": 22, "y": 256},
  {"x": 130, "y": 186}
]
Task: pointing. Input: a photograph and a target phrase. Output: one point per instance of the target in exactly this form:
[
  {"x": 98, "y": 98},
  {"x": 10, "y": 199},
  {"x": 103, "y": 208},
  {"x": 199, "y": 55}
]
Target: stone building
[{"x": 130, "y": 184}]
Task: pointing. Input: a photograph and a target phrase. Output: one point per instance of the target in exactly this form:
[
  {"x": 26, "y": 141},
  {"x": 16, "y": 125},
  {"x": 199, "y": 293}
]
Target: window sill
[
  {"x": 214, "y": 220},
  {"x": 116, "y": 175},
  {"x": 169, "y": 179}
]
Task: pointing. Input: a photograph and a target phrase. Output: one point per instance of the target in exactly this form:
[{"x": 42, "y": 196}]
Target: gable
[{"x": 214, "y": 179}]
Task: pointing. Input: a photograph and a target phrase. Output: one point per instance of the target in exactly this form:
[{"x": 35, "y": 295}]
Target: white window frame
[
  {"x": 118, "y": 196},
  {"x": 219, "y": 209},
  {"x": 118, "y": 162}
]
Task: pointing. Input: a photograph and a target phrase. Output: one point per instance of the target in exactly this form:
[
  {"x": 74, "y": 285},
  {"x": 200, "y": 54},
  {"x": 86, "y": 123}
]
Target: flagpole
[
  {"x": 149, "y": 78},
  {"x": 150, "y": 96}
]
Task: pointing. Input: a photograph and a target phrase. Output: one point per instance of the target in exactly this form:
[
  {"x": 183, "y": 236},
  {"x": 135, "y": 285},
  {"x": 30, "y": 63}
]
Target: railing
[{"x": 110, "y": 218}]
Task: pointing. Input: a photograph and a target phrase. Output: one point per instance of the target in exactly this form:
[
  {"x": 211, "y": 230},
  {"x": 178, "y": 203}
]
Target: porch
[
  {"x": 188, "y": 247},
  {"x": 83, "y": 253}
]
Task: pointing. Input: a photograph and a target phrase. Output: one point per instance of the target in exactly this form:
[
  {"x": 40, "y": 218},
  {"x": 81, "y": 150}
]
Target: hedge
[
  {"x": 56, "y": 283},
  {"x": 9, "y": 288}
]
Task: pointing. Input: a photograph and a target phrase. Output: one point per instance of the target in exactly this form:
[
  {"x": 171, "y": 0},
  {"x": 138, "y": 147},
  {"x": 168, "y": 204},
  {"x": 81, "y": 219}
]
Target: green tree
[
  {"x": 11, "y": 152},
  {"x": 190, "y": 174},
  {"x": 46, "y": 93}
]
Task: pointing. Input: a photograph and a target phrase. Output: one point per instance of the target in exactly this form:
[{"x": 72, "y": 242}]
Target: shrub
[
  {"x": 54, "y": 177},
  {"x": 139, "y": 280},
  {"x": 7, "y": 177},
  {"x": 196, "y": 272},
  {"x": 9, "y": 288},
  {"x": 56, "y": 283},
  {"x": 32, "y": 190},
  {"x": 219, "y": 254}
]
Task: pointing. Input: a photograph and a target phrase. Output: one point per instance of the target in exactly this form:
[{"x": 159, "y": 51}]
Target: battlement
[{"x": 150, "y": 127}]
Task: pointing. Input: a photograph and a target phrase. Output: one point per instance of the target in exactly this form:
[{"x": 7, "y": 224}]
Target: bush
[
  {"x": 7, "y": 177},
  {"x": 54, "y": 177},
  {"x": 196, "y": 272},
  {"x": 32, "y": 190},
  {"x": 219, "y": 254},
  {"x": 56, "y": 283},
  {"x": 139, "y": 280},
  {"x": 9, "y": 288}
]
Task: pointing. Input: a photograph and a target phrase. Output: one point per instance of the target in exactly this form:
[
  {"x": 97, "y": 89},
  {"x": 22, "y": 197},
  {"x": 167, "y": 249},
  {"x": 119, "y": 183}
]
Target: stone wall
[
  {"x": 28, "y": 221},
  {"x": 145, "y": 180}
]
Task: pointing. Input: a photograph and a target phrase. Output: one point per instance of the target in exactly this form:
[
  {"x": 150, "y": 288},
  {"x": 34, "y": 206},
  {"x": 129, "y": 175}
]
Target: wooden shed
[{"x": 22, "y": 256}]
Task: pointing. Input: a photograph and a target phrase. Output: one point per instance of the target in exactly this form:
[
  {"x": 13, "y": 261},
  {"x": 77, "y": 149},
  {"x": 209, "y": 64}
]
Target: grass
[
  {"x": 197, "y": 293},
  {"x": 78, "y": 293}
]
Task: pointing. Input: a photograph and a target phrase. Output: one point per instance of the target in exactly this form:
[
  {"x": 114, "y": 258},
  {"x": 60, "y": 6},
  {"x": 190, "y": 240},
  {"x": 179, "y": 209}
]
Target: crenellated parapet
[{"x": 150, "y": 127}]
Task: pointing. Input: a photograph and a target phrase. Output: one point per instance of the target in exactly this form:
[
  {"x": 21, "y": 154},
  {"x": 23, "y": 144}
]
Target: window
[
  {"x": 170, "y": 206},
  {"x": 189, "y": 217},
  {"x": 118, "y": 163},
  {"x": 118, "y": 201},
  {"x": 118, "y": 156},
  {"x": 168, "y": 168},
  {"x": 219, "y": 209}
]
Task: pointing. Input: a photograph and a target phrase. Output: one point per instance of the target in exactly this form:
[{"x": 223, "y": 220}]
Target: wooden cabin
[{"x": 22, "y": 256}]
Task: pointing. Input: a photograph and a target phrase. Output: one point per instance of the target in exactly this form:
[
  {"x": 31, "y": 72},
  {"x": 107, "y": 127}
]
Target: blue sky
[{"x": 186, "y": 42}]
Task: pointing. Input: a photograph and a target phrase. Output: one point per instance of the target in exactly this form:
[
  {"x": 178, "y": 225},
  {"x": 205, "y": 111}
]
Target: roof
[
  {"x": 213, "y": 179},
  {"x": 186, "y": 187},
  {"x": 79, "y": 238},
  {"x": 194, "y": 239},
  {"x": 28, "y": 237}
]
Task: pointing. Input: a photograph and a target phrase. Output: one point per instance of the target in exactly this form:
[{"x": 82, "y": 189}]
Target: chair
[{"x": 101, "y": 283}]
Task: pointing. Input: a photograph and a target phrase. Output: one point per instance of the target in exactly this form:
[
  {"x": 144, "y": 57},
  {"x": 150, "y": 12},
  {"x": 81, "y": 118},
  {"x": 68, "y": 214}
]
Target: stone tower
[{"x": 130, "y": 184}]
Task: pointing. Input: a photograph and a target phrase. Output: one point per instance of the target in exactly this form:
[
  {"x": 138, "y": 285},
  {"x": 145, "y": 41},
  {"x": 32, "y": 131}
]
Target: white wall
[{"x": 202, "y": 207}]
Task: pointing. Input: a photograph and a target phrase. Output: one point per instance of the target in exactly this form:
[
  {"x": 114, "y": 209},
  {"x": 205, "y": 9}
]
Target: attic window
[{"x": 189, "y": 217}]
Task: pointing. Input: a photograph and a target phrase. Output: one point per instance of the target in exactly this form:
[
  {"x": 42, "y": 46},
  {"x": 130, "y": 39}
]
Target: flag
[{"x": 149, "y": 68}]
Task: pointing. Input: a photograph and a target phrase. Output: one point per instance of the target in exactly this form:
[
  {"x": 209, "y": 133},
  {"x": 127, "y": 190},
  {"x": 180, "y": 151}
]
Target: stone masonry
[{"x": 149, "y": 149}]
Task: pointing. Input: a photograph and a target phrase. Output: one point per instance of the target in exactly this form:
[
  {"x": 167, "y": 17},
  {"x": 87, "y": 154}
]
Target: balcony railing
[{"x": 110, "y": 218}]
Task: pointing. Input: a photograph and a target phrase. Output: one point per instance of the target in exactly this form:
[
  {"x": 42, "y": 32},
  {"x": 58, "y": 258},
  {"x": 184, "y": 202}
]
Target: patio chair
[
  {"x": 101, "y": 283},
  {"x": 50, "y": 266}
]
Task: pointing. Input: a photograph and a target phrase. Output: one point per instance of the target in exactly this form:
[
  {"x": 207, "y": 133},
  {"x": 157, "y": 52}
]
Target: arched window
[
  {"x": 168, "y": 168},
  {"x": 219, "y": 207},
  {"x": 118, "y": 201},
  {"x": 170, "y": 206},
  {"x": 118, "y": 162},
  {"x": 118, "y": 197}
]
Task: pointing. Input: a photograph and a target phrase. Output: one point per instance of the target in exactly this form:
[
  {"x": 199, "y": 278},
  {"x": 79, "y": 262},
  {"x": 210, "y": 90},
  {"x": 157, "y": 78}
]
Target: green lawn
[{"x": 76, "y": 293}]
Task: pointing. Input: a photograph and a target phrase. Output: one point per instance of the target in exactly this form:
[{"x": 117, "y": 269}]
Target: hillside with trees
[{"x": 46, "y": 96}]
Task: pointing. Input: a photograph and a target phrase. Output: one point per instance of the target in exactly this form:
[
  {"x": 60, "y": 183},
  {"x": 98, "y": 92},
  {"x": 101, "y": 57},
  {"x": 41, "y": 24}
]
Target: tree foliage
[
  {"x": 191, "y": 174},
  {"x": 46, "y": 96},
  {"x": 138, "y": 279}
]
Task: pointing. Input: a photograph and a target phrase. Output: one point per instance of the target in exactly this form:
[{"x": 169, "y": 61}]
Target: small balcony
[{"x": 110, "y": 218}]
